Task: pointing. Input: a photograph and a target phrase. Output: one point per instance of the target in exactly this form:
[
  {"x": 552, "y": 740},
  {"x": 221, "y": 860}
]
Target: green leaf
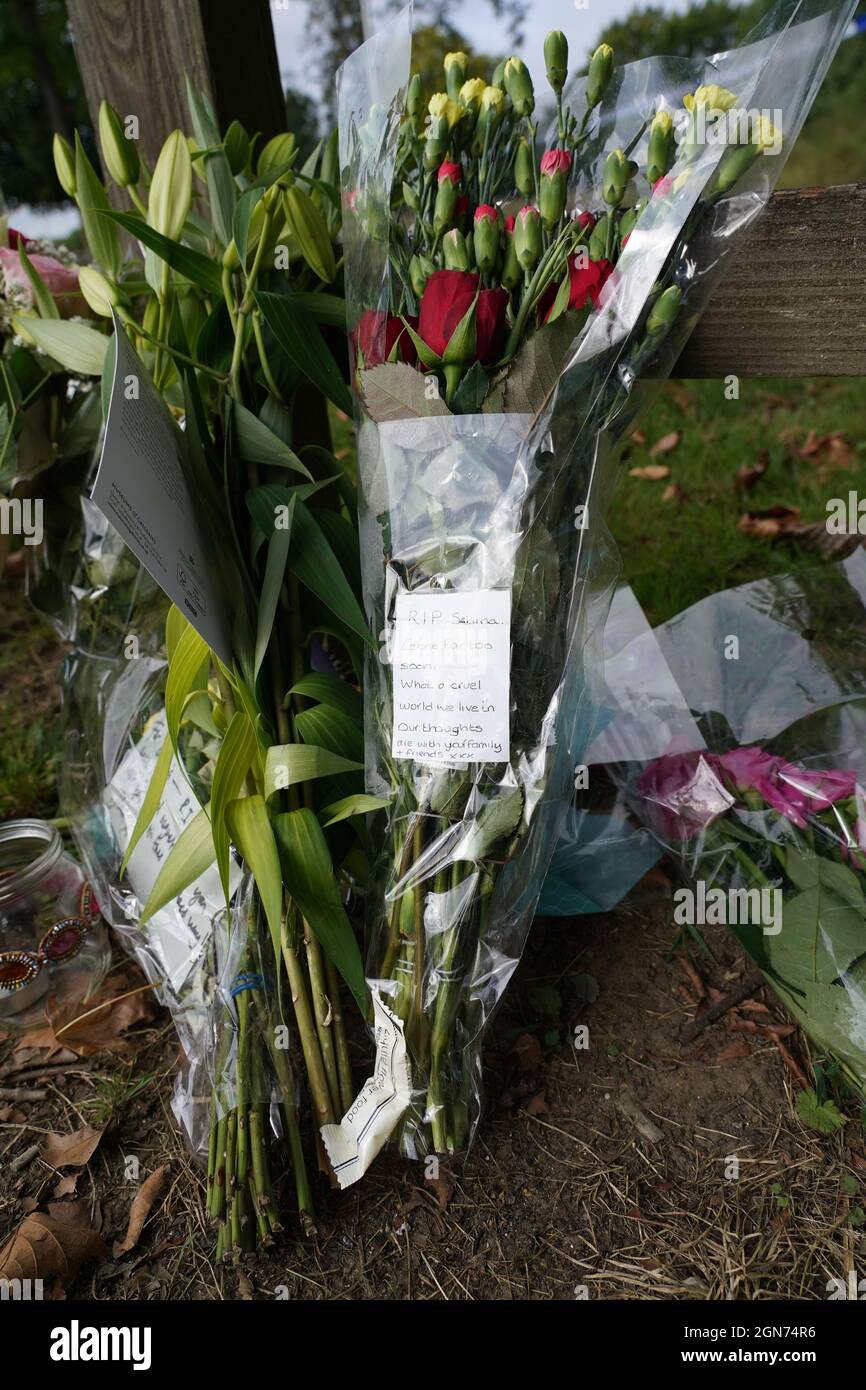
[
  {"x": 331, "y": 690},
  {"x": 93, "y": 203},
  {"x": 309, "y": 878},
  {"x": 822, "y": 1116},
  {"x": 176, "y": 624},
  {"x": 358, "y": 805},
  {"x": 396, "y": 391},
  {"x": 813, "y": 871},
  {"x": 81, "y": 350},
  {"x": 241, "y": 221},
  {"x": 538, "y": 365},
  {"x": 316, "y": 566},
  {"x": 250, "y": 828},
  {"x": 821, "y": 936},
  {"x": 221, "y": 186},
  {"x": 327, "y": 309},
  {"x": 304, "y": 345},
  {"x": 152, "y": 798},
  {"x": 192, "y": 853},
  {"x": 41, "y": 293},
  {"x": 287, "y": 764},
  {"x": 232, "y": 765},
  {"x": 191, "y": 264},
  {"x": 492, "y": 826},
  {"x": 187, "y": 672},
  {"x": 255, "y": 443},
  {"x": 469, "y": 396},
  {"x": 275, "y": 569},
  {"x": 331, "y": 729}
]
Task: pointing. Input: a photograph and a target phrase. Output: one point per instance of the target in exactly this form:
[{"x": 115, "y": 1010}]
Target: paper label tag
[
  {"x": 177, "y": 934},
  {"x": 451, "y": 655},
  {"x": 142, "y": 489},
  {"x": 370, "y": 1120}
]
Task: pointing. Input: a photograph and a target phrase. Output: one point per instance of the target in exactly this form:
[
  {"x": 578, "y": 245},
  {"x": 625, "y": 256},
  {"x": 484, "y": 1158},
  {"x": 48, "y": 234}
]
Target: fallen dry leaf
[
  {"x": 66, "y": 1186},
  {"x": 815, "y": 536},
  {"x": 40, "y": 1040},
  {"x": 767, "y": 524},
  {"x": 536, "y": 1105},
  {"x": 734, "y": 1050},
  {"x": 637, "y": 437},
  {"x": 51, "y": 1246},
  {"x": 140, "y": 1210},
  {"x": 527, "y": 1053},
  {"x": 666, "y": 443},
  {"x": 653, "y": 472},
  {"x": 100, "y": 1025},
  {"x": 71, "y": 1150},
  {"x": 673, "y": 493},
  {"x": 750, "y": 473}
]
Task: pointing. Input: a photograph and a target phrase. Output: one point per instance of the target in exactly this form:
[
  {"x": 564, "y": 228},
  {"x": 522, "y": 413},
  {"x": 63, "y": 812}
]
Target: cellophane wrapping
[{"x": 510, "y": 507}]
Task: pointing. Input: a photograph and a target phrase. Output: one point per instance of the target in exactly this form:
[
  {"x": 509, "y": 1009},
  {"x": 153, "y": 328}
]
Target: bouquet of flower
[
  {"x": 507, "y": 297},
  {"x": 776, "y": 851},
  {"x": 231, "y": 304}
]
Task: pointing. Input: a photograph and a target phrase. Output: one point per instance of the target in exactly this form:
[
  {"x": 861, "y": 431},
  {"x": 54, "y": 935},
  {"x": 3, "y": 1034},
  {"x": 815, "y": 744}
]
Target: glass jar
[{"x": 52, "y": 939}]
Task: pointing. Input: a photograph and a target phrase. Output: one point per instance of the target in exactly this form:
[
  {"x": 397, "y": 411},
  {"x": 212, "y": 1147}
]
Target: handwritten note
[{"x": 451, "y": 655}]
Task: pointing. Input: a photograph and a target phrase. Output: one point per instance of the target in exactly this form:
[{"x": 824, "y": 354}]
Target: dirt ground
[{"x": 596, "y": 1173}]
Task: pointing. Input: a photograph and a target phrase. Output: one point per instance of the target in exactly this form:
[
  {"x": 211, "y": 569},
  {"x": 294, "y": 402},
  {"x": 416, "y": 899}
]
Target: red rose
[
  {"x": 585, "y": 220},
  {"x": 447, "y": 297},
  {"x": 375, "y": 335},
  {"x": 556, "y": 162},
  {"x": 587, "y": 280},
  {"x": 17, "y": 239},
  {"x": 449, "y": 170}
]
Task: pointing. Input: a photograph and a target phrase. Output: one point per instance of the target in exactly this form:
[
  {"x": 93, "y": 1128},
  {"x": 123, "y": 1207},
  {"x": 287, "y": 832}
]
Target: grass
[{"x": 679, "y": 551}]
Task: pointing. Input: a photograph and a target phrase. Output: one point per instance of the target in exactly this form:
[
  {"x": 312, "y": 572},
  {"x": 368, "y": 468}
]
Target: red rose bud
[
  {"x": 375, "y": 335},
  {"x": 445, "y": 207},
  {"x": 455, "y": 249},
  {"x": 508, "y": 225},
  {"x": 585, "y": 221},
  {"x": 527, "y": 236},
  {"x": 447, "y": 299},
  {"x": 462, "y": 208},
  {"x": 511, "y": 273},
  {"x": 524, "y": 180},
  {"x": 586, "y": 282},
  {"x": 485, "y": 234},
  {"x": 449, "y": 170},
  {"x": 555, "y": 168}
]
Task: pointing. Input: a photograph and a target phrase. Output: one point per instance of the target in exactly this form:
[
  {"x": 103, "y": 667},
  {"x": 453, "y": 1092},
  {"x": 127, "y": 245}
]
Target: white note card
[
  {"x": 451, "y": 658},
  {"x": 142, "y": 490}
]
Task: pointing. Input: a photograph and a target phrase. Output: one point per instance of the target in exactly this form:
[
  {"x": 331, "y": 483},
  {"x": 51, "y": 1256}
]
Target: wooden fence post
[{"x": 136, "y": 53}]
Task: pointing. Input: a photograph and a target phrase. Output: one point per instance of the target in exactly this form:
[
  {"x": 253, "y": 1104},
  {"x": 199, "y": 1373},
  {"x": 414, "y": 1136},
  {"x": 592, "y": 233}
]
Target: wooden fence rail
[{"x": 792, "y": 301}]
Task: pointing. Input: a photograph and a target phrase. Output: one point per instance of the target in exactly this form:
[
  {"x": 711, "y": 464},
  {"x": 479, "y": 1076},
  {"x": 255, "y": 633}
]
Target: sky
[{"x": 582, "y": 21}]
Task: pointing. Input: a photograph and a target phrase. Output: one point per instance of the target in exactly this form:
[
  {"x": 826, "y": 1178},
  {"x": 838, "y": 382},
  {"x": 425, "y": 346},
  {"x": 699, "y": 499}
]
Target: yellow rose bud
[
  {"x": 171, "y": 187},
  {"x": 100, "y": 294},
  {"x": 456, "y": 66},
  {"x": 471, "y": 93},
  {"x": 712, "y": 98}
]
